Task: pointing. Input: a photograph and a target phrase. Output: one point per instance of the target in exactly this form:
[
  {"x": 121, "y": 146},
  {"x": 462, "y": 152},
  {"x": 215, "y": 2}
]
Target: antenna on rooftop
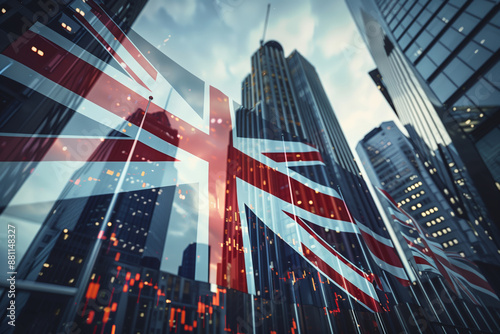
[{"x": 265, "y": 24}]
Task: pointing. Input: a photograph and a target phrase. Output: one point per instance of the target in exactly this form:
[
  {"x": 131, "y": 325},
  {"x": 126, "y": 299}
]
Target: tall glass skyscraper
[
  {"x": 439, "y": 60},
  {"x": 287, "y": 94}
]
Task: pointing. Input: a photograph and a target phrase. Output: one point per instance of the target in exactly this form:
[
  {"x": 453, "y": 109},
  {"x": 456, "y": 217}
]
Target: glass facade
[
  {"x": 147, "y": 201},
  {"x": 440, "y": 71},
  {"x": 391, "y": 163}
]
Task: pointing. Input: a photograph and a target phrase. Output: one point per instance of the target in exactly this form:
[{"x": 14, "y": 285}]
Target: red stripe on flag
[
  {"x": 120, "y": 36},
  {"x": 111, "y": 51},
  {"x": 400, "y": 221},
  {"x": 389, "y": 197},
  {"x": 329, "y": 248},
  {"x": 474, "y": 279},
  {"x": 446, "y": 275},
  {"x": 216, "y": 149},
  {"x": 291, "y": 156},
  {"x": 421, "y": 260},
  {"x": 352, "y": 289},
  {"x": 278, "y": 184},
  {"x": 466, "y": 290},
  {"x": 382, "y": 251},
  {"x": 77, "y": 149}
]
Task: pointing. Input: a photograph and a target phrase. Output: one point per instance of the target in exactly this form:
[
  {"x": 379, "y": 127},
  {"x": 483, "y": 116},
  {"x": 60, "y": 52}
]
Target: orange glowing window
[
  {"x": 105, "y": 317},
  {"x": 90, "y": 317}
]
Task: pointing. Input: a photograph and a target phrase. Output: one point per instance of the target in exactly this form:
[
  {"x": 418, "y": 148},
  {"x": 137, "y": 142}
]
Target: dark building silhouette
[{"x": 378, "y": 80}]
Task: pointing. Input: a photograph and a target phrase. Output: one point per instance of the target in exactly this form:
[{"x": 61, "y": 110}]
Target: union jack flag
[
  {"x": 462, "y": 275},
  {"x": 159, "y": 134}
]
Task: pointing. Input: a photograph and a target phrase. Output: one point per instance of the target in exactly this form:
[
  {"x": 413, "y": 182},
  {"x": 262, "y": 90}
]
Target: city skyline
[{"x": 148, "y": 200}]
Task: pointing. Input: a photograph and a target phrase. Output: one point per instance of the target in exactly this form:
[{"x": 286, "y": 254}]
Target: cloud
[
  {"x": 181, "y": 11},
  {"x": 295, "y": 29},
  {"x": 336, "y": 41}
]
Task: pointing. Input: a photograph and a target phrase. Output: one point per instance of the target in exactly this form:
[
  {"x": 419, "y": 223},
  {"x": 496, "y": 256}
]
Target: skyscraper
[
  {"x": 308, "y": 113},
  {"x": 306, "y": 101},
  {"x": 391, "y": 163},
  {"x": 439, "y": 60}
]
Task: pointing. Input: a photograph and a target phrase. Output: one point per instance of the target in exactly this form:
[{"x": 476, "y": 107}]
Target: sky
[{"x": 215, "y": 39}]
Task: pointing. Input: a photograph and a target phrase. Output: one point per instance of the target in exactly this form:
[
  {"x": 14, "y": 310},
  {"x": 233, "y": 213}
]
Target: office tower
[
  {"x": 307, "y": 112},
  {"x": 287, "y": 93},
  {"x": 438, "y": 60},
  {"x": 391, "y": 163},
  {"x": 271, "y": 73},
  {"x": 186, "y": 269}
]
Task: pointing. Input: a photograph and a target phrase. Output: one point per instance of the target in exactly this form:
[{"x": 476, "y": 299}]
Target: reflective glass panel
[
  {"x": 488, "y": 37},
  {"x": 426, "y": 67},
  {"x": 474, "y": 55},
  {"x": 458, "y": 71},
  {"x": 443, "y": 87}
]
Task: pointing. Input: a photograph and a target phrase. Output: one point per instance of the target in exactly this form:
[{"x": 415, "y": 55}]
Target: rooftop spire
[{"x": 265, "y": 25}]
